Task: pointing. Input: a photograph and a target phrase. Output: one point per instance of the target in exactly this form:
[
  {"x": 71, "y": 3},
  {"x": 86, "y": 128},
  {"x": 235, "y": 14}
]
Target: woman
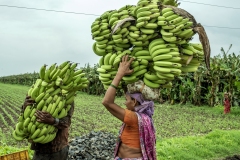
[
  {"x": 227, "y": 104},
  {"x": 137, "y": 135}
]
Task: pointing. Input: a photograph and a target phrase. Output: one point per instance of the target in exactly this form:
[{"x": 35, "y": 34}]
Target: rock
[{"x": 94, "y": 146}]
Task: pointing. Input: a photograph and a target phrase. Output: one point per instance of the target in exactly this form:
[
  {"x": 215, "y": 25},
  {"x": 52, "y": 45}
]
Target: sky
[{"x": 31, "y": 38}]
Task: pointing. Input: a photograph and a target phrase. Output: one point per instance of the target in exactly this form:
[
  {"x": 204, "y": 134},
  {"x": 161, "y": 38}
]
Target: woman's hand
[
  {"x": 44, "y": 117},
  {"x": 124, "y": 67}
]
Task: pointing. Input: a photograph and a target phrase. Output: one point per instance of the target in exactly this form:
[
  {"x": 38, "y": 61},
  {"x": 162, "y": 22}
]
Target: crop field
[{"x": 175, "y": 125}]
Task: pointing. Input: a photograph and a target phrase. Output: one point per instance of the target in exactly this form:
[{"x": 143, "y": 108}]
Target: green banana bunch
[
  {"x": 53, "y": 92},
  {"x": 158, "y": 40}
]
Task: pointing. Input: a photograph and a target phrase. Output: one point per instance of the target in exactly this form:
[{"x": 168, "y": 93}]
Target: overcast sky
[{"x": 31, "y": 38}]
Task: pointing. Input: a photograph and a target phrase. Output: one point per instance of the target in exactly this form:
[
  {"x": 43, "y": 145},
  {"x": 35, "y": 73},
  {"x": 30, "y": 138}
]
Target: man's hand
[
  {"x": 28, "y": 101},
  {"x": 44, "y": 117}
]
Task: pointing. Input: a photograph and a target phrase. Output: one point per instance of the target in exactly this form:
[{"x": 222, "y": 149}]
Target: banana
[
  {"x": 70, "y": 100},
  {"x": 161, "y": 18},
  {"x": 186, "y": 33},
  {"x": 143, "y": 19},
  {"x": 27, "y": 112},
  {"x": 174, "y": 54},
  {"x": 187, "y": 52},
  {"x": 177, "y": 29},
  {"x": 171, "y": 39},
  {"x": 107, "y": 67},
  {"x": 32, "y": 112},
  {"x": 151, "y": 26},
  {"x": 160, "y": 81},
  {"x": 151, "y": 76},
  {"x": 56, "y": 74},
  {"x": 160, "y": 51},
  {"x": 188, "y": 25},
  {"x": 101, "y": 70},
  {"x": 17, "y": 137},
  {"x": 39, "y": 139},
  {"x": 141, "y": 24},
  {"x": 35, "y": 92},
  {"x": 33, "y": 129},
  {"x": 39, "y": 97},
  {"x": 161, "y": 69},
  {"x": 144, "y": 14},
  {"x": 176, "y": 20},
  {"x": 150, "y": 84},
  {"x": 62, "y": 114},
  {"x": 134, "y": 64},
  {"x": 164, "y": 10},
  {"x": 105, "y": 75},
  {"x": 156, "y": 42},
  {"x": 42, "y": 71},
  {"x": 106, "y": 59},
  {"x": 148, "y": 58},
  {"x": 147, "y": 31},
  {"x": 157, "y": 47},
  {"x": 142, "y": 9},
  {"x": 133, "y": 28},
  {"x": 40, "y": 104},
  {"x": 154, "y": 15},
  {"x": 26, "y": 122},
  {"x": 162, "y": 23},
  {"x": 143, "y": 61},
  {"x": 175, "y": 59},
  {"x": 139, "y": 72},
  {"x": 167, "y": 34},
  {"x": 130, "y": 78},
  {"x": 142, "y": 53},
  {"x": 168, "y": 27},
  {"x": 19, "y": 130},
  {"x": 138, "y": 43},
  {"x": 167, "y": 14},
  {"x": 134, "y": 35},
  {"x": 167, "y": 64},
  {"x": 162, "y": 57}
]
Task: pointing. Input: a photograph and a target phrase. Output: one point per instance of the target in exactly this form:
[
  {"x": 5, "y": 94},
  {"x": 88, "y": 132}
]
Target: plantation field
[{"x": 182, "y": 131}]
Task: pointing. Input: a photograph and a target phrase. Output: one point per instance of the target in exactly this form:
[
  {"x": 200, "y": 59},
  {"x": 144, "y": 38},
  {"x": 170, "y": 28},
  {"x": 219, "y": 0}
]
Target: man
[{"x": 57, "y": 149}]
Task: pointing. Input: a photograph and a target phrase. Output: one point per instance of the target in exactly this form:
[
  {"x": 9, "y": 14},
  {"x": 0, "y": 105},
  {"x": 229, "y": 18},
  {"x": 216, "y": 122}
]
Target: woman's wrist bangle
[{"x": 113, "y": 86}]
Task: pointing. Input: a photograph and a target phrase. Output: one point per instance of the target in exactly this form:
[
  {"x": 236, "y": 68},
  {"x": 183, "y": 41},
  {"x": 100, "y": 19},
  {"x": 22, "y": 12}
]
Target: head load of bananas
[
  {"x": 53, "y": 92},
  {"x": 157, "y": 35}
]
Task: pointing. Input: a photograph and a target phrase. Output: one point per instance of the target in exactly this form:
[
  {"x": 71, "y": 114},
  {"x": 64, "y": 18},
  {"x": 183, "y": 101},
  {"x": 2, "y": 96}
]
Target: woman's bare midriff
[{"x": 129, "y": 152}]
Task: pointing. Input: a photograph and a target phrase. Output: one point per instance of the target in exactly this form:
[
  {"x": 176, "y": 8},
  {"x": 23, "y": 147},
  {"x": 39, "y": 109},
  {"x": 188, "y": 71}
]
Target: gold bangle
[{"x": 113, "y": 86}]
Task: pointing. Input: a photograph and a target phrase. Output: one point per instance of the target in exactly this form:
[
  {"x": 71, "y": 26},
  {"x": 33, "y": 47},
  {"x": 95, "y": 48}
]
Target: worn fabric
[
  {"x": 147, "y": 137},
  {"x": 147, "y": 92},
  {"x": 60, "y": 155},
  {"x": 227, "y": 106},
  {"x": 130, "y": 135},
  {"x": 61, "y": 139},
  {"x": 117, "y": 158}
]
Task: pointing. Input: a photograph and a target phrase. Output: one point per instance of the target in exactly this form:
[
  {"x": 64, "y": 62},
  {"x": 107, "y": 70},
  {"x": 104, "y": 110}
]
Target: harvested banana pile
[
  {"x": 53, "y": 92},
  {"x": 157, "y": 35}
]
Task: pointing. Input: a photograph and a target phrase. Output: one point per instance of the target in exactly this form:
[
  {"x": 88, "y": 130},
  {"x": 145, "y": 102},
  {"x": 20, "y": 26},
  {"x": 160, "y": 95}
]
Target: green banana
[{"x": 150, "y": 84}]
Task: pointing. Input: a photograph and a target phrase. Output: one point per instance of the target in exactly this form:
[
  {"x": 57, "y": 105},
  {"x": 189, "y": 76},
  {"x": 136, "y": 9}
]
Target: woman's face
[
  {"x": 225, "y": 96},
  {"x": 130, "y": 103}
]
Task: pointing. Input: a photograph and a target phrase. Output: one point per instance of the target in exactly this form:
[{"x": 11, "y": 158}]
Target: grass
[
  {"x": 182, "y": 131},
  {"x": 213, "y": 145}
]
